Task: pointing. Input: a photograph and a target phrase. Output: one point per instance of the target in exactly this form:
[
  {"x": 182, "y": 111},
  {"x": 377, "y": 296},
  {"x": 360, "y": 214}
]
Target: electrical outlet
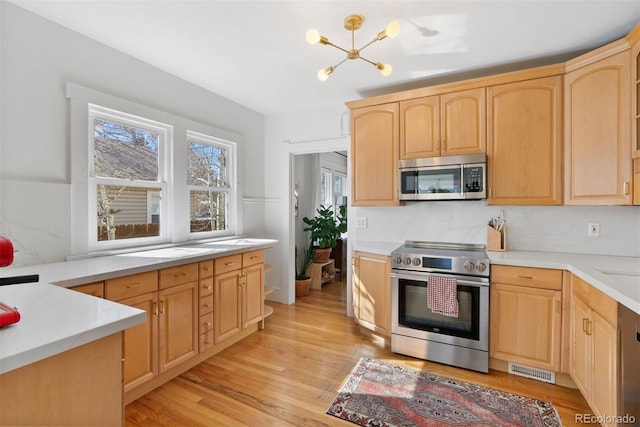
[
  {"x": 361, "y": 222},
  {"x": 593, "y": 230}
]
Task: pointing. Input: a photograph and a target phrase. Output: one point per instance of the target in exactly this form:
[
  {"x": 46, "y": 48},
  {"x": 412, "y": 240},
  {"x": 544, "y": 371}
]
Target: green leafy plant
[
  {"x": 306, "y": 262},
  {"x": 325, "y": 230}
]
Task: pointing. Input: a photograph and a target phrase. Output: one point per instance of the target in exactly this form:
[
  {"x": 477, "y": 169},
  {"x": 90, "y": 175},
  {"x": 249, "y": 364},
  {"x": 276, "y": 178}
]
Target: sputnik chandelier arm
[{"x": 352, "y": 23}]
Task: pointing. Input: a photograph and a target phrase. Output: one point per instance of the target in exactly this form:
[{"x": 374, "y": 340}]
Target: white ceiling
[{"x": 255, "y": 53}]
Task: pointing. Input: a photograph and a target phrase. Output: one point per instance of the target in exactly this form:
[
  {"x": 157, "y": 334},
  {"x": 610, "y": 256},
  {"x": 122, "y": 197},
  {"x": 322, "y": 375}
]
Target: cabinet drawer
[
  {"x": 178, "y": 275},
  {"x": 543, "y": 278},
  {"x": 228, "y": 263},
  {"x": 206, "y": 323},
  {"x": 206, "y": 341},
  {"x": 253, "y": 258},
  {"x": 206, "y": 268},
  {"x": 131, "y": 286},
  {"x": 604, "y": 305},
  {"x": 206, "y": 286},
  {"x": 206, "y": 304},
  {"x": 93, "y": 289}
]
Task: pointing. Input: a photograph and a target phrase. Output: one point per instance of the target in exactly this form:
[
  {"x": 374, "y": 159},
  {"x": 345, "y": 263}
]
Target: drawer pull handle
[
  {"x": 229, "y": 263},
  {"x": 133, "y": 285},
  {"x": 254, "y": 257},
  {"x": 180, "y": 274},
  {"x": 207, "y": 287},
  {"x": 525, "y": 277}
]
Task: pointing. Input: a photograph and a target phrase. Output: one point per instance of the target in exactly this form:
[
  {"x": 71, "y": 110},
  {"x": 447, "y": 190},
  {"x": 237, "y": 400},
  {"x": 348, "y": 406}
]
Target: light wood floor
[{"x": 289, "y": 373}]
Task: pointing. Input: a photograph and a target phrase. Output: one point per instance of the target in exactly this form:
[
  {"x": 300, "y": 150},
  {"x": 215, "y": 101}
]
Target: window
[
  {"x": 127, "y": 178},
  {"x": 333, "y": 189},
  {"x": 132, "y": 185},
  {"x": 209, "y": 183}
]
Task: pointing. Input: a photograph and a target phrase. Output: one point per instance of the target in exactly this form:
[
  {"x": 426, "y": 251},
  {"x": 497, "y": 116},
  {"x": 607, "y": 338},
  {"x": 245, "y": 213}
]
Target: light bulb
[
  {"x": 323, "y": 74},
  {"x": 393, "y": 29},
  {"x": 313, "y": 36},
  {"x": 385, "y": 69}
]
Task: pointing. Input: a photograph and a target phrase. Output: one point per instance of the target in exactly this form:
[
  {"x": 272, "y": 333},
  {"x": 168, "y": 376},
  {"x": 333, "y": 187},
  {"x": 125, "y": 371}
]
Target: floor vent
[{"x": 533, "y": 373}]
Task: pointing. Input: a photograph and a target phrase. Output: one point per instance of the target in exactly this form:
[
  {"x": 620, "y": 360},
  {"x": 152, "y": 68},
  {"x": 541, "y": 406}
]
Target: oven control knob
[
  {"x": 397, "y": 260},
  {"x": 481, "y": 266},
  {"x": 469, "y": 266},
  {"x": 406, "y": 261},
  {"x": 417, "y": 262}
]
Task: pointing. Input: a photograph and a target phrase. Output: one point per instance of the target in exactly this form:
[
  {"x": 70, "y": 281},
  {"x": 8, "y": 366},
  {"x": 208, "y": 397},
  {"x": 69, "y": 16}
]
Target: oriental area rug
[{"x": 381, "y": 394}]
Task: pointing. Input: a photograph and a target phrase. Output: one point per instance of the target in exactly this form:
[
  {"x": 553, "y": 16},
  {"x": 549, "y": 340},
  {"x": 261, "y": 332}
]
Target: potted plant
[
  {"x": 303, "y": 282},
  {"x": 325, "y": 231}
]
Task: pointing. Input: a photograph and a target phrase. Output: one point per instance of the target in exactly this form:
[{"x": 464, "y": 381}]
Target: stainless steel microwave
[{"x": 443, "y": 178}]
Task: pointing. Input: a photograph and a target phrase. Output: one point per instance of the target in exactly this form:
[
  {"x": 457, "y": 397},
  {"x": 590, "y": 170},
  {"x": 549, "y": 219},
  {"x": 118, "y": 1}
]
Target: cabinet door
[
  {"x": 420, "y": 128},
  {"x": 374, "y": 155},
  {"x": 635, "y": 101},
  {"x": 252, "y": 294},
  {"x": 463, "y": 122},
  {"x": 178, "y": 308},
  {"x": 141, "y": 343},
  {"x": 526, "y": 325},
  {"x": 372, "y": 291},
  {"x": 227, "y": 309},
  {"x": 581, "y": 352},
  {"x": 524, "y": 142},
  {"x": 597, "y": 140},
  {"x": 605, "y": 368}
]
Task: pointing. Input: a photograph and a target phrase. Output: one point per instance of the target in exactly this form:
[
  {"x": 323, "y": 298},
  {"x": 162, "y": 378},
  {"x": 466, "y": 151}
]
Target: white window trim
[
  {"x": 231, "y": 166},
  {"x": 165, "y": 140},
  {"x": 178, "y": 211}
]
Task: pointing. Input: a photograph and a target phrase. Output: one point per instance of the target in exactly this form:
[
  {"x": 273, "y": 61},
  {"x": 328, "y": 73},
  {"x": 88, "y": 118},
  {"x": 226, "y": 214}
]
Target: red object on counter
[
  {"x": 6, "y": 252},
  {"x": 8, "y": 315}
]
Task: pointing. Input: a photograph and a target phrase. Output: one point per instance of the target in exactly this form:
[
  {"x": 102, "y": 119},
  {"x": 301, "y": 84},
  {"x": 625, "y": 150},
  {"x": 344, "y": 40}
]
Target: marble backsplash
[{"x": 531, "y": 228}]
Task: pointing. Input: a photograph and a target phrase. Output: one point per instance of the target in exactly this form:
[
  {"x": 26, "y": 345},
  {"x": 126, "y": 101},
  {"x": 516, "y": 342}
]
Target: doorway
[{"x": 320, "y": 179}]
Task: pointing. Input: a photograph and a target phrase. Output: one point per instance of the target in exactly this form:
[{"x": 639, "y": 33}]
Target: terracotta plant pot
[
  {"x": 303, "y": 287},
  {"x": 321, "y": 254}
]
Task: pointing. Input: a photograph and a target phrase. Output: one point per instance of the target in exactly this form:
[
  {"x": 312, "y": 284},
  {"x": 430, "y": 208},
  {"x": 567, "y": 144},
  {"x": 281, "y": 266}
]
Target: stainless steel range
[{"x": 448, "y": 323}]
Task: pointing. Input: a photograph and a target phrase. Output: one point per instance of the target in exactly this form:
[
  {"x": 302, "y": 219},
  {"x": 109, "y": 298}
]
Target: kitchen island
[{"x": 61, "y": 364}]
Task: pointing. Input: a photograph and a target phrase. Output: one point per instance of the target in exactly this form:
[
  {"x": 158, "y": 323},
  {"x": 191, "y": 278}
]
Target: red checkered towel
[{"x": 442, "y": 295}]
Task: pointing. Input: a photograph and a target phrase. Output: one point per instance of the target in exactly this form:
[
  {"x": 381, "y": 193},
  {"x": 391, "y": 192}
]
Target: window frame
[
  {"x": 177, "y": 200},
  {"x": 230, "y": 188},
  {"x": 165, "y": 140}
]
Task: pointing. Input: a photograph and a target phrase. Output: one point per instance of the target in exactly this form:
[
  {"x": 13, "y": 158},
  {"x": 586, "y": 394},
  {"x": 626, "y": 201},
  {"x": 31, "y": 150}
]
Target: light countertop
[
  {"x": 616, "y": 276},
  {"x": 55, "y": 319}
]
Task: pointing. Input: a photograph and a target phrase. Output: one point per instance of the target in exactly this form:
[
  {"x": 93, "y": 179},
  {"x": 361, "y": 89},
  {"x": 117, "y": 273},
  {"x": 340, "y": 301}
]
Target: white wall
[{"x": 37, "y": 58}]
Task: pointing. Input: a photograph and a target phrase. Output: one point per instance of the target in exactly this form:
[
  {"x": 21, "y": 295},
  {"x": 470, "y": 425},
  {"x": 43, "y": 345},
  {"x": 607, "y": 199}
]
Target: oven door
[{"x": 412, "y": 318}]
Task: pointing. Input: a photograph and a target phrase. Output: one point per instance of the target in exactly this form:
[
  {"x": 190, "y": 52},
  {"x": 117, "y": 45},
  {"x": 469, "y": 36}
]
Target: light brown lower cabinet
[
  {"x": 526, "y": 316},
  {"x": 169, "y": 336},
  {"x": 594, "y": 351},
  {"x": 61, "y": 390},
  {"x": 238, "y": 293},
  {"x": 372, "y": 291}
]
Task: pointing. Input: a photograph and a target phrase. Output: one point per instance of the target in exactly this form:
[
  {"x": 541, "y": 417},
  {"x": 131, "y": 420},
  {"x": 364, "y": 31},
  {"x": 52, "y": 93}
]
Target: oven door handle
[{"x": 425, "y": 277}]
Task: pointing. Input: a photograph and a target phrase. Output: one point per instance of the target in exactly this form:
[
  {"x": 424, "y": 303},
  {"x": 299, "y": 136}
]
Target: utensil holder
[{"x": 497, "y": 240}]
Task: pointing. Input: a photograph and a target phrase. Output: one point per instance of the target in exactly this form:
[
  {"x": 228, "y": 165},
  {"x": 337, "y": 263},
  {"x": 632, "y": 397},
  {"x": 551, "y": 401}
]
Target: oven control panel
[{"x": 471, "y": 266}]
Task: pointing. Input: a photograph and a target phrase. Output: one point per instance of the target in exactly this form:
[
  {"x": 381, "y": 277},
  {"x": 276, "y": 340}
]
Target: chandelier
[{"x": 352, "y": 23}]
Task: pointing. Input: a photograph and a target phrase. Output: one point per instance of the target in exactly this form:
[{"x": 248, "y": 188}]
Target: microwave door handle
[{"x": 462, "y": 183}]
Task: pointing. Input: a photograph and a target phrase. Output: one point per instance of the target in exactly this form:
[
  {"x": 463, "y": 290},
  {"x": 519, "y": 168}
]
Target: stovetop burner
[{"x": 441, "y": 257}]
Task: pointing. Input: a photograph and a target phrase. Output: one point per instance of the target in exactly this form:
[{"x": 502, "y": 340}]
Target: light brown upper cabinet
[
  {"x": 524, "y": 142},
  {"x": 450, "y": 124},
  {"x": 635, "y": 108},
  {"x": 597, "y": 131},
  {"x": 374, "y": 155},
  {"x": 635, "y": 90}
]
